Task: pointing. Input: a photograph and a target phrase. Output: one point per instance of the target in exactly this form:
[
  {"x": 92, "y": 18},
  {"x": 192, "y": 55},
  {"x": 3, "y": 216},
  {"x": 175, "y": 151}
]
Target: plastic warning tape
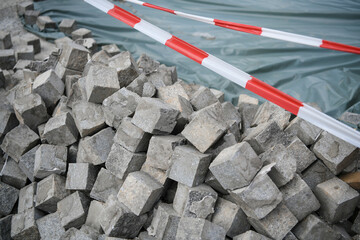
[
  {"x": 266, "y": 32},
  {"x": 232, "y": 73}
]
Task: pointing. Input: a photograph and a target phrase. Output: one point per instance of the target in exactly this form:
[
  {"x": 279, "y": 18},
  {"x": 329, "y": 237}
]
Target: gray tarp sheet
[{"x": 329, "y": 78}]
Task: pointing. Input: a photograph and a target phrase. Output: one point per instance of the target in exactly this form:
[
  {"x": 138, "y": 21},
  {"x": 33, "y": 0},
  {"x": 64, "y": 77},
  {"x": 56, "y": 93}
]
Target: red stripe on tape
[
  {"x": 187, "y": 49},
  {"x": 159, "y": 8},
  {"x": 340, "y": 47},
  {"x": 124, "y": 16},
  {"x": 238, "y": 27},
  {"x": 274, "y": 95}
]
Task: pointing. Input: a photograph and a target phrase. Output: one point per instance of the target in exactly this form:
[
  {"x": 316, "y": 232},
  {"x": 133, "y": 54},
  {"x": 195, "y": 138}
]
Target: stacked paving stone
[{"x": 113, "y": 148}]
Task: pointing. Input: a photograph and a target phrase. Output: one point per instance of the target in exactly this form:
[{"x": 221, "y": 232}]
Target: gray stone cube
[
  {"x": 214, "y": 183},
  {"x": 218, "y": 94},
  {"x": 259, "y": 198},
  {"x": 7, "y": 59},
  {"x": 121, "y": 162},
  {"x": 61, "y": 107},
  {"x": 8, "y": 121},
  {"x": 270, "y": 112},
  {"x": 50, "y": 227},
  {"x": 69, "y": 82},
  {"x": 5, "y": 227},
  {"x": 81, "y": 176},
  {"x": 198, "y": 228},
  {"x": 159, "y": 175},
  {"x": 24, "y": 6},
  {"x": 89, "y": 117},
  {"x": 18, "y": 141},
  {"x": 12, "y": 174},
  {"x": 61, "y": 130},
  {"x": 230, "y": 113},
  {"x": 67, "y": 26},
  {"x": 285, "y": 164},
  {"x": 101, "y": 57},
  {"x": 111, "y": 49},
  {"x": 88, "y": 43},
  {"x": 276, "y": 224},
  {"x": 31, "y": 110},
  {"x": 124, "y": 223},
  {"x": 8, "y": 197},
  {"x": 170, "y": 94},
  {"x": 119, "y": 105},
  {"x": 49, "y": 192},
  {"x": 73, "y": 210},
  {"x": 196, "y": 202},
  {"x": 45, "y": 22},
  {"x": 50, "y": 87},
  {"x": 50, "y": 159},
  {"x": 206, "y": 128},
  {"x": 93, "y": 216},
  {"x": 146, "y": 64},
  {"x": 74, "y": 56},
  {"x": 132, "y": 137},
  {"x": 77, "y": 93},
  {"x": 349, "y": 117},
  {"x": 63, "y": 72},
  {"x": 335, "y": 152},
  {"x": 164, "y": 223},
  {"x": 5, "y": 40},
  {"x": 140, "y": 192},
  {"x": 154, "y": 116},
  {"x": 316, "y": 174},
  {"x": 125, "y": 66},
  {"x": 203, "y": 97},
  {"x": 137, "y": 85},
  {"x": 27, "y": 197},
  {"x": 313, "y": 227},
  {"x": 356, "y": 225},
  {"x": 250, "y": 235},
  {"x": 74, "y": 233},
  {"x": 101, "y": 82},
  {"x": 304, "y": 157},
  {"x": 23, "y": 225},
  {"x": 81, "y": 33},
  {"x": 236, "y": 166},
  {"x": 149, "y": 90},
  {"x": 160, "y": 150},
  {"x": 229, "y": 216},
  {"x": 299, "y": 198},
  {"x": 31, "y": 16},
  {"x": 95, "y": 149},
  {"x": 25, "y": 53},
  {"x": 338, "y": 200},
  {"x": 27, "y": 162},
  {"x": 248, "y": 107},
  {"x": 189, "y": 166},
  {"x": 305, "y": 131},
  {"x": 163, "y": 76},
  {"x": 106, "y": 184},
  {"x": 31, "y": 39}
]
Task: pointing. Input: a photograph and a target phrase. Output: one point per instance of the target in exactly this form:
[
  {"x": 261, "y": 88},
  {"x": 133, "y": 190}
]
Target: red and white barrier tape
[
  {"x": 266, "y": 32},
  {"x": 232, "y": 73}
]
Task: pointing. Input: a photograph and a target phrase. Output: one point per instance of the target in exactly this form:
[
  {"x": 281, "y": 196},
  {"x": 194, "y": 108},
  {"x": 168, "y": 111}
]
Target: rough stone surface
[
  {"x": 50, "y": 227},
  {"x": 61, "y": 130},
  {"x": 67, "y": 26},
  {"x": 73, "y": 210},
  {"x": 334, "y": 152},
  {"x": 229, "y": 216},
  {"x": 218, "y": 94},
  {"x": 117, "y": 220},
  {"x": 23, "y": 225},
  {"x": 119, "y": 105},
  {"x": 111, "y": 49},
  {"x": 50, "y": 87},
  {"x": 27, "y": 197},
  {"x": 198, "y": 228},
  {"x": 163, "y": 76},
  {"x": 8, "y": 197},
  {"x": 5, "y": 227},
  {"x": 196, "y": 202},
  {"x": 18, "y": 141},
  {"x": 25, "y": 53},
  {"x": 63, "y": 72},
  {"x": 154, "y": 116},
  {"x": 206, "y": 128},
  {"x": 259, "y": 198},
  {"x": 31, "y": 39},
  {"x": 74, "y": 56},
  {"x": 12, "y": 174},
  {"x": 45, "y": 22},
  {"x": 203, "y": 97},
  {"x": 101, "y": 82},
  {"x": 5, "y": 40},
  {"x": 161, "y": 149},
  {"x": 269, "y": 111},
  {"x": 81, "y": 33},
  {"x": 338, "y": 200},
  {"x": 50, "y": 159},
  {"x": 93, "y": 216},
  {"x": 276, "y": 224},
  {"x": 121, "y": 162},
  {"x": 356, "y": 225},
  {"x": 304, "y": 130},
  {"x": 132, "y": 137},
  {"x": 313, "y": 227},
  {"x": 106, "y": 184},
  {"x": 89, "y": 117},
  {"x": 140, "y": 192},
  {"x": 214, "y": 183},
  {"x": 304, "y": 157},
  {"x": 74, "y": 234},
  {"x": 299, "y": 198},
  {"x": 49, "y": 192},
  {"x": 146, "y": 64},
  {"x": 125, "y": 66},
  {"x": 7, "y": 59},
  {"x": 236, "y": 166},
  {"x": 27, "y": 162},
  {"x": 189, "y": 166},
  {"x": 250, "y": 235},
  {"x": 137, "y": 85},
  {"x": 8, "y": 121},
  {"x": 316, "y": 173},
  {"x": 81, "y": 176}
]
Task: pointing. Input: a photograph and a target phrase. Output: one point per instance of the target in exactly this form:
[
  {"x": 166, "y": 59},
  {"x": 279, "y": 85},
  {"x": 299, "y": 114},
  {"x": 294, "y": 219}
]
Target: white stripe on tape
[
  {"x": 152, "y": 31},
  {"x": 104, "y": 6},
  {"x": 195, "y": 17},
  {"x": 291, "y": 37},
  {"x": 226, "y": 70},
  {"x": 329, "y": 124}
]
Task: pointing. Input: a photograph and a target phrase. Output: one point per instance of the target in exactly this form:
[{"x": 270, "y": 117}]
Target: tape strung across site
[
  {"x": 266, "y": 32},
  {"x": 232, "y": 73}
]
